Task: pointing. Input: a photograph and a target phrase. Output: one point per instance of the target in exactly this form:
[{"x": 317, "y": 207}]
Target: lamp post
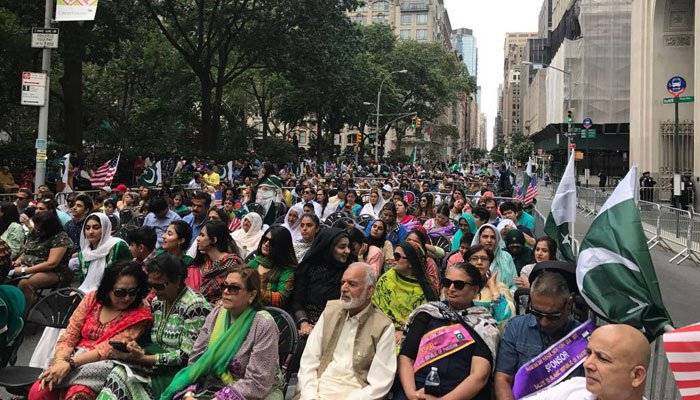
[
  {"x": 566, "y": 73},
  {"x": 379, "y": 99}
]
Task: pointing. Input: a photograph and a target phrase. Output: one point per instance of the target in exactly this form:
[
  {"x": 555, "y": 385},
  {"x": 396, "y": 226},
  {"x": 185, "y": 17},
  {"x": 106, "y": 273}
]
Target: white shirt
[
  {"x": 571, "y": 389},
  {"x": 338, "y": 380}
]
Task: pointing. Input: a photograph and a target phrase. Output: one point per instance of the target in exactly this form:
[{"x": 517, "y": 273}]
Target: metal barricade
[
  {"x": 660, "y": 383},
  {"x": 675, "y": 226},
  {"x": 650, "y": 215},
  {"x": 586, "y": 199},
  {"x": 694, "y": 238}
]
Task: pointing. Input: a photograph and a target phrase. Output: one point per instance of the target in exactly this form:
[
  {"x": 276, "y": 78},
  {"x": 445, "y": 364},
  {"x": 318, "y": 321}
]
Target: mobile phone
[{"x": 119, "y": 346}]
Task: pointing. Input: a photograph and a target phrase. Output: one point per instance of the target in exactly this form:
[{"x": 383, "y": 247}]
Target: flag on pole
[
  {"x": 528, "y": 190},
  {"x": 614, "y": 271},
  {"x": 159, "y": 174},
  {"x": 229, "y": 171},
  {"x": 104, "y": 175},
  {"x": 682, "y": 347},
  {"x": 66, "y": 169},
  {"x": 414, "y": 156},
  {"x": 563, "y": 213}
]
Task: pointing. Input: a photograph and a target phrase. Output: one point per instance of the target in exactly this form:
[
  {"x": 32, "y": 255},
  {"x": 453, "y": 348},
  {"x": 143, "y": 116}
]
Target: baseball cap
[{"x": 387, "y": 188}]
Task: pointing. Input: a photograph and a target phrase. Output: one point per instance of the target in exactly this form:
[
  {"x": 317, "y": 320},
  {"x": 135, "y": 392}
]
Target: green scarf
[{"x": 224, "y": 343}]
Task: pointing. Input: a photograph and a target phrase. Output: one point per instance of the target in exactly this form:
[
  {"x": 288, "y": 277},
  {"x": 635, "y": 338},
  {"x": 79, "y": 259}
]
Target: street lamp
[
  {"x": 379, "y": 99},
  {"x": 568, "y": 98}
]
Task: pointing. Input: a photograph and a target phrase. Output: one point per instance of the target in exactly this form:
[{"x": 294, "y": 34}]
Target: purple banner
[{"x": 554, "y": 364}]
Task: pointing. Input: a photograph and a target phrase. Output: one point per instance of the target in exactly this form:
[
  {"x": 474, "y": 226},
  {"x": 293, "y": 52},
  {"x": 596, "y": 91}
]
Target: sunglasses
[
  {"x": 540, "y": 315},
  {"x": 157, "y": 286},
  {"x": 123, "y": 292},
  {"x": 266, "y": 239},
  {"x": 459, "y": 285},
  {"x": 398, "y": 257},
  {"x": 231, "y": 287}
]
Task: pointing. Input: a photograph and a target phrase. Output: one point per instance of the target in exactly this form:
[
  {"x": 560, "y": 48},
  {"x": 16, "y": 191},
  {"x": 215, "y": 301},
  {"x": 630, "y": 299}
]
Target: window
[
  {"x": 380, "y": 6},
  {"x": 405, "y": 34},
  {"x": 421, "y": 34},
  {"x": 378, "y": 19},
  {"x": 406, "y": 19},
  {"x": 422, "y": 19}
]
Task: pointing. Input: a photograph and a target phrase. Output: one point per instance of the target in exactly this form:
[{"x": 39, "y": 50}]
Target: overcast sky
[{"x": 490, "y": 20}]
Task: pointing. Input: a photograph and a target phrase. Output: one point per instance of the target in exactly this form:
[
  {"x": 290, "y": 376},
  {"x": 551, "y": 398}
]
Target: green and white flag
[
  {"x": 614, "y": 272},
  {"x": 563, "y": 213},
  {"x": 159, "y": 174}
]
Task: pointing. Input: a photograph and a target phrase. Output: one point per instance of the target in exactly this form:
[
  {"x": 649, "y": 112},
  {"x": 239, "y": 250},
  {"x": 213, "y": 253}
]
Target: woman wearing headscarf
[
  {"x": 309, "y": 227},
  {"x": 317, "y": 278},
  {"x": 98, "y": 249},
  {"x": 488, "y": 236},
  {"x": 403, "y": 288},
  {"x": 292, "y": 221},
  {"x": 455, "y": 336},
  {"x": 374, "y": 206},
  {"x": 247, "y": 237}
]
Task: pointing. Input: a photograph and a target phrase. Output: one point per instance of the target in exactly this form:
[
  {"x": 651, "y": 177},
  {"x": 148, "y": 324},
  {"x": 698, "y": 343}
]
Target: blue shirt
[
  {"x": 160, "y": 224},
  {"x": 189, "y": 218},
  {"x": 523, "y": 340}
]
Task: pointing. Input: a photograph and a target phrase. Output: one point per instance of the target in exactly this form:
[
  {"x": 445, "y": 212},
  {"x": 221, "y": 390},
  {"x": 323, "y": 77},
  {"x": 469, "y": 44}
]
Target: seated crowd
[{"x": 401, "y": 302}]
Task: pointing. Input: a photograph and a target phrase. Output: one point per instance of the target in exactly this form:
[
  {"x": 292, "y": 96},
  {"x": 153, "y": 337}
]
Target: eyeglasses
[
  {"x": 549, "y": 316},
  {"x": 459, "y": 285},
  {"x": 231, "y": 287},
  {"x": 123, "y": 292},
  {"x": 266, "y": 239},
  {"x": 157, "y": 286},
  {"x": 398, "y": 256},
  {"x": 478, "y": 258}
]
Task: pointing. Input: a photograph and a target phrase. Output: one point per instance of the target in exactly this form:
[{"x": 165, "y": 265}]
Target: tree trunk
[
  {"x": 319, "y": 137},
  {"x": 205, "y": 133},
  {"x": 74, "y": 39}
]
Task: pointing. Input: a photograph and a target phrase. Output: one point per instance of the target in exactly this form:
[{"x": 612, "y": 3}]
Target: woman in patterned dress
[
  {"x": 178, "y": 315},
  {"x": 214, "y": 245}
]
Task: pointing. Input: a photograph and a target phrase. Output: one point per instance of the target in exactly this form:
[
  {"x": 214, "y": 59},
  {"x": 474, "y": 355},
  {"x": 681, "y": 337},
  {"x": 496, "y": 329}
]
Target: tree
[{"x": 521, "y": 147}]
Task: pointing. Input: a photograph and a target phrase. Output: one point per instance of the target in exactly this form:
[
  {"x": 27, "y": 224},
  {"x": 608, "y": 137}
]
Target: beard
[
  {"x": 351, "y": 302},
  {"x": 265, "y": 199}
]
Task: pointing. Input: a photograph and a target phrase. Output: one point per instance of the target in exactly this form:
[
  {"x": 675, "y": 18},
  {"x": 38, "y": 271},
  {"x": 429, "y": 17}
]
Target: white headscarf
[
  {"x": 248, "y": 241},
  {"x": 97, "y": 257},
  {"x": 294, "y": 229},
  {"x": 373, "y": 210}
]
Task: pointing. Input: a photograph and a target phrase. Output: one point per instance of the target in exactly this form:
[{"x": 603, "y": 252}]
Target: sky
[{"x": 490, "y": 20}]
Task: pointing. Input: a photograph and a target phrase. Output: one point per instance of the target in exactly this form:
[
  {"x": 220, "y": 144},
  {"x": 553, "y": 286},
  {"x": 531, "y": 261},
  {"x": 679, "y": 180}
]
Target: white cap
[
  {"x": 386, "y": 188},
  {"x": 106, "y": 189}
]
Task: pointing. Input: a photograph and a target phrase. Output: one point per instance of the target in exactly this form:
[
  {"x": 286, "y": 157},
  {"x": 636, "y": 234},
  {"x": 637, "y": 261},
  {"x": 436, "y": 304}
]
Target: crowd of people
[{"x": 402, "y": 285}]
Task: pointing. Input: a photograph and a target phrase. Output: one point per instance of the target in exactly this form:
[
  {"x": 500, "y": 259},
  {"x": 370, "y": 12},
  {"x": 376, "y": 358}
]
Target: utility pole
[{"x": 40, "y": 170}]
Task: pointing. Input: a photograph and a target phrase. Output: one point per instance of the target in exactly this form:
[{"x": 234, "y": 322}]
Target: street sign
[
  {"x": 572, "y": 146},
  {"x": 588, "y": 133},
  {"x": 41, "y": 154},
  {"x": 587, "y": 123},
  {"x": 40, "y": 144},
  {"x": 681, "y": 99},
  {"x": 45, "y": 38},
  {"x": 676, "y": 85},
  {"x": 33, "y": 89}
]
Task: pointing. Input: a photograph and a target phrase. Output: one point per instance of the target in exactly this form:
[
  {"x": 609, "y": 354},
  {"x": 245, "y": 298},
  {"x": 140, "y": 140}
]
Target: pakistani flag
[
  {"x": 563, "y": 213},
  {"x": 614, "y": 270},
  {"x": 159, "y": 174},
  {"x": 527, "y": 177},
  {"x": 229, "y": 171}
]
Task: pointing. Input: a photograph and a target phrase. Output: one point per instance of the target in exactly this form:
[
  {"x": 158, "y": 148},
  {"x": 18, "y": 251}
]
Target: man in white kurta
[{"x": 340, "y": 360}]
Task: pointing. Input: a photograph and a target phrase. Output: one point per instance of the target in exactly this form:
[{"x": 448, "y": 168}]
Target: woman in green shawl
[
  {"x": 235, "y": 355},
  {"x": 178, "y": 315}
]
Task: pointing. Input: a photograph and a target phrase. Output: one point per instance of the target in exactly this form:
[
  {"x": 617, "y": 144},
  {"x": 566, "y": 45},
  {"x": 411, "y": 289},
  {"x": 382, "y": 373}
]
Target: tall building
[
  {"x": 498, "y": 122},
  {"x": 422, "y": 20},
  {"x": 664, "y": 43},
  {"x": 580, "y": 64},
  {"x": 464, "y": 43},
  {"x": 481, "y": 139},
  {"x": 513, "y": 50}
]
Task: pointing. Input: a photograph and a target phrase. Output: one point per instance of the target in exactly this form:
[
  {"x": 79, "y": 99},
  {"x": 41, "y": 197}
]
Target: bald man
[{"x": 616, "y": 368}]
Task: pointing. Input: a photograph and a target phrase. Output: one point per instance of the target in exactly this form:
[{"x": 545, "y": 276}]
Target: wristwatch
[{"x": 23, "y": 270}]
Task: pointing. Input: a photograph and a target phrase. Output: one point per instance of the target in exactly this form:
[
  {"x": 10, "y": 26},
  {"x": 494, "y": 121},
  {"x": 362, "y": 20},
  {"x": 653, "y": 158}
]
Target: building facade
[
  {"x": 664, "y": 44},
  {"x": 513, "y": 50},
  {"x": 464, "y": 43}
]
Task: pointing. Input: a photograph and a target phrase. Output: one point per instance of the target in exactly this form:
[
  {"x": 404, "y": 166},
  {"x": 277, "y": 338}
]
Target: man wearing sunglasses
[
  {"x": 548, "y": 320},
  {"x": 308, "y": 196}
]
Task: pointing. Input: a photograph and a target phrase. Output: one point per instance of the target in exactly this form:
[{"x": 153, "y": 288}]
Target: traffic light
[
  {"x": 569, "y": 116},
  {"x": 418, "y": 123},
  {"x": 413, "y": 122}
]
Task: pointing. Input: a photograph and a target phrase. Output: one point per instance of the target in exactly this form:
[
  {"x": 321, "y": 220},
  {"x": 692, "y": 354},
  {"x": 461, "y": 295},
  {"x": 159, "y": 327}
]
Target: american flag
[
  {"x": 531, "y": 192},
  {"x": 682, "y": 347},
  {"x": 104, "y": 175}
]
